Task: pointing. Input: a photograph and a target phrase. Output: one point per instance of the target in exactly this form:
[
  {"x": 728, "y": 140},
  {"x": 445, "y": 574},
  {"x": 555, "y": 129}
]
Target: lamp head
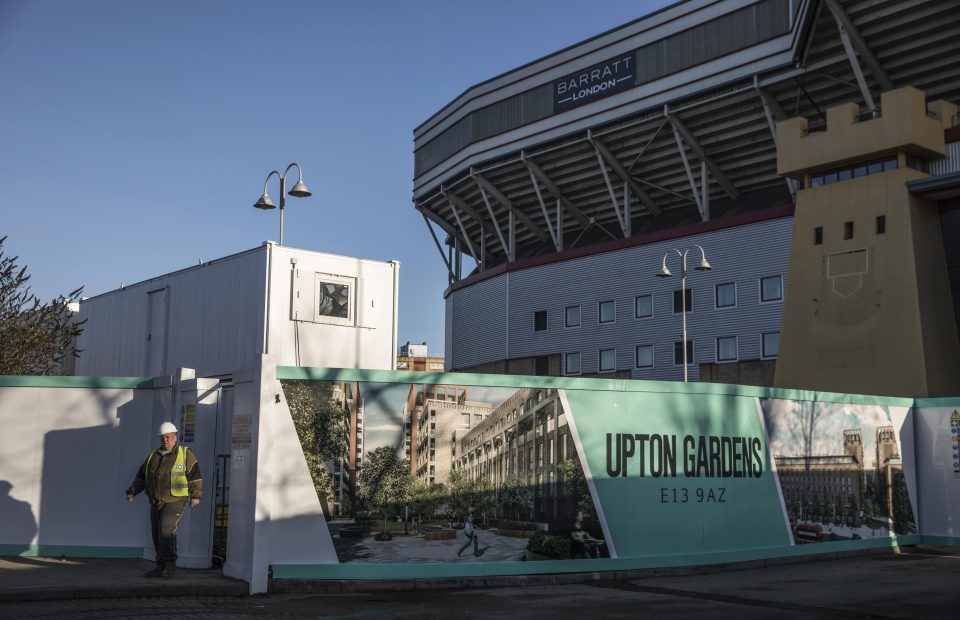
[
  {"x": 704, "y": 265},
  {"x": 300, "y": 190},
  {"x": 264, "y": 203},
  {"x": 664, "y": 272}
]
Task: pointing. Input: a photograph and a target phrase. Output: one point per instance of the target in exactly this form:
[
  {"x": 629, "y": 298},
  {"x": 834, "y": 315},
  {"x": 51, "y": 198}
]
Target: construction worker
[{"x": 171, "y": 478}]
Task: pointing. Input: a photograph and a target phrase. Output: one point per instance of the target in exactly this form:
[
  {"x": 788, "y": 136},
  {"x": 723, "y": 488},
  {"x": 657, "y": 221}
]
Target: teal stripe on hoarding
[
  {"x": 439, "y": 570},
  {"x": 71, "y": 551},
  {"x": 952, "y": 401},
  {"x": 941, "y": 541},
  {"x": 578, "y": 383},
  {"x": 76, "y": 382}
]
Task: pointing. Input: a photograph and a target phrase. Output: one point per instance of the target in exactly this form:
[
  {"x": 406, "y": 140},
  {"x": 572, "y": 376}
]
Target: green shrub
[
  {"x": 552, "y": 546},
  {"x": 524, "y": 526}
]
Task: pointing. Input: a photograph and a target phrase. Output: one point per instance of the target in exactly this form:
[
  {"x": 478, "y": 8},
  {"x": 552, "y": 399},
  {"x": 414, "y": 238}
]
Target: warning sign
[
  {"x": 241, "y": 436},
  {"x": 188, "y": 423},
  {"x": 955, "y": 442}
]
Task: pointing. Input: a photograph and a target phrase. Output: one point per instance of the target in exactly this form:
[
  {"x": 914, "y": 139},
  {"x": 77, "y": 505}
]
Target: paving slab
[{"x": 39, "y": 578}]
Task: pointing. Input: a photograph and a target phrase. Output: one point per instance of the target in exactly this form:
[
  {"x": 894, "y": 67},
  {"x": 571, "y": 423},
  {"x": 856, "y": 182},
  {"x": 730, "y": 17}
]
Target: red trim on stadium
[{"x": 732, "y": 221}]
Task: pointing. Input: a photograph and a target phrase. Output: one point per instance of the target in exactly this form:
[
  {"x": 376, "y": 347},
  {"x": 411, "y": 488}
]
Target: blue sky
[{"x": 135, "y": 137}]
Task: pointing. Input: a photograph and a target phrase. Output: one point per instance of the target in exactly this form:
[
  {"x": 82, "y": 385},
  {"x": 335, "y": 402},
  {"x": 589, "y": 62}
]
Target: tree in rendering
[
  {"x": 384, "y": 481},
  {"x": 35, "y": 338},
  {"x": 467, "y": 493},
  {"x": 426, "y": 498},
  {"x": 515, "y": 499},
  {"x": 574, "y": 484},
  {"x": 321, "y": 423}
]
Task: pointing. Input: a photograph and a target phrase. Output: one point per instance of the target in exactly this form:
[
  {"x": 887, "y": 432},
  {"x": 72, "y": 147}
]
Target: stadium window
[
  {"x": 771, "y": 345},
  {"x": 571, "y": 316},
  {"x": 771, "y": 289},
  {"x": 540, "y": 321},
  {"x": 608, "y": 360},
  {"x": 881, "y": 224},
  {"x": 726, "y": 296},
  {"x": 571, "y": 364},
  {"x": 727, "y": 349},
  {"x": 678, "y": 353},
  {"x": 848, "y": 230},
  {"x": 678, "y": 301},
  {"x": 818, "y": 235},
  {"x": 643, "y": 306},
  {"x": 607, "y": 311},
  {"x": 644, "y": 355},
  {"x": 862, "y": 170},
  {"x": 542, "y": 366}
]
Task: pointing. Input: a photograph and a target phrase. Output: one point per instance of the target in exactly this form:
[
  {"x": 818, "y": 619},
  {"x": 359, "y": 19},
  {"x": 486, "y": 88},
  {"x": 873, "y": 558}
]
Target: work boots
[
  {"x": 156, "y": 571},
  {"x": 169, "y": 568}
]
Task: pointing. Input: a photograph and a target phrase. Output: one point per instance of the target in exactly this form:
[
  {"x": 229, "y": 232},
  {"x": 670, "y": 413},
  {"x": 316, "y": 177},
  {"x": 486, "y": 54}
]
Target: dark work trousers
[{"x": 163, "y": 524}]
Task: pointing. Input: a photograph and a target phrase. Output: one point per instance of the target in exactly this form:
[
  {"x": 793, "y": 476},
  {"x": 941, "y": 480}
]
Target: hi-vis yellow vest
[{"x": 179, "y": 485}]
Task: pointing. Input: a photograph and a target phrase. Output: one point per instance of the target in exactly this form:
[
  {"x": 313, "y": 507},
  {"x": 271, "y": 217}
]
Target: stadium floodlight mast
[
  {"x": 665, "y": 273},
  {"x": 298, "y": 191}
]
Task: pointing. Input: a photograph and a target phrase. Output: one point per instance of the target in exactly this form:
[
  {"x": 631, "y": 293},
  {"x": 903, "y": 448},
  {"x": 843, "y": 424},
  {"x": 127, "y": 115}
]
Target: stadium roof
[{"x": 511, "y": 169}]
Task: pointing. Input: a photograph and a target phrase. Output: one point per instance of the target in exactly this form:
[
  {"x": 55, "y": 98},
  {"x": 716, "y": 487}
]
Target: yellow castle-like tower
[{"x": 867, "y": 306}]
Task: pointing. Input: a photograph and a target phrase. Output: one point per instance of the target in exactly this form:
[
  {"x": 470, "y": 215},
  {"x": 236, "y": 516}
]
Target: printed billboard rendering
[
  {"x": 431, "y": 463},
  {"x": 841, "y": 469},
  {"x": 585, "y": 469}
]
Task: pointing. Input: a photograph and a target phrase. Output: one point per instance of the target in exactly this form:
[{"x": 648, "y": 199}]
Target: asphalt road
[{"x": 921, "y": 583}]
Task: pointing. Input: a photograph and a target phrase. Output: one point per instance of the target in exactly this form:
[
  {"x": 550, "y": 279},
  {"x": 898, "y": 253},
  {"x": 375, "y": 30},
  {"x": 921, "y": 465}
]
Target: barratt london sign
[{"x": 596, "y": 82}]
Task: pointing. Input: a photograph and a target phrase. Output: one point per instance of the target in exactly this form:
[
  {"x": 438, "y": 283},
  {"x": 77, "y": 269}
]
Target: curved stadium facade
[{"x": 554, "y": 191}]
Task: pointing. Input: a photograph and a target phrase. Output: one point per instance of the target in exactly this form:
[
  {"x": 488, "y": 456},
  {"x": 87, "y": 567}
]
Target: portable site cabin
[
  {"x": 306, "y": 308},
  {"x": 203, "y": 334}
]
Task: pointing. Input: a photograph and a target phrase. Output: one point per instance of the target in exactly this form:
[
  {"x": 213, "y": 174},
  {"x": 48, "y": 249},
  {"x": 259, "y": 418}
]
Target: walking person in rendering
[
  {"x": 471, "y": 534},
  {"x": 171, "y": 477}
]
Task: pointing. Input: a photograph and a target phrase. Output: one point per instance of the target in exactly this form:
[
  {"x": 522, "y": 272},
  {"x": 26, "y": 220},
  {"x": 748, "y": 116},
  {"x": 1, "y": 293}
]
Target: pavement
[
  {"x": 491, "y": 547},
  {"x": 37, "y": 578},
  {"x": 919, "y": 582}
]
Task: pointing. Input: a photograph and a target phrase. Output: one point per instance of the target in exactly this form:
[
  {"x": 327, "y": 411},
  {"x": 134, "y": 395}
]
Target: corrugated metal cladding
[
  {"x": 724, "y": 35},
  {"x": 949, "y": 165},
  {"x": 494, "y": 119},
  {"x": 727, "y": 34},
  {"x": 447, "y": 343},
  {"x": 479, "y": 318},
  {"x": 621, "y": 276},
  {"x": 214, "y": 321}
]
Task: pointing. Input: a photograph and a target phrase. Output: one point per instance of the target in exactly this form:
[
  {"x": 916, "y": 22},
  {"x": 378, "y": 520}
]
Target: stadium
[{"x": 555, "y": 191}]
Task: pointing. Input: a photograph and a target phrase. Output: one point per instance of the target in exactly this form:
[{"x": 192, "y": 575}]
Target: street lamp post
[
  {"x": 665, "y": 273},
  {"x": 298, "y": 191}
]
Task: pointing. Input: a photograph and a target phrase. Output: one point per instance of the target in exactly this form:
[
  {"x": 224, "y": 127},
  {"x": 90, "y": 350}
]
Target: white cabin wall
[
  {"x": 366, "y": 340},
  {"x": 214, "y": 323}
]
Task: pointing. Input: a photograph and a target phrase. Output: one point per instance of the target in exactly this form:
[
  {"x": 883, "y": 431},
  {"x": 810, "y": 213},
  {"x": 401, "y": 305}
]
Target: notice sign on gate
[
  {"x": 955, "y": 442},
  {"x": 188, "y": 423},
  {"x": 241, "y": 436}
]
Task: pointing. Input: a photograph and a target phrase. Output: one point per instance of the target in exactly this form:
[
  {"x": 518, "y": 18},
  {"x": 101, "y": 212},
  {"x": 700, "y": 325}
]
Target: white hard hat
[{"x": 167, "y": 427}]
